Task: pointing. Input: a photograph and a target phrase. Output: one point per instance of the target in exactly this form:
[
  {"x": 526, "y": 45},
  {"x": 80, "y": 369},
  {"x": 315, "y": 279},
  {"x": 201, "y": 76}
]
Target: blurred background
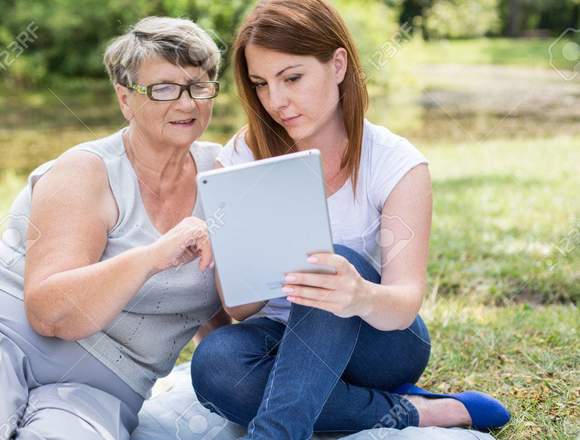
[{"x": 488, "y": 90}]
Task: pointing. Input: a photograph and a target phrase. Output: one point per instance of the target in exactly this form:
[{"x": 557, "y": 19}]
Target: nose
[
  {"x": 185, "y": 102},
  {"x": 278, "y": 97}
]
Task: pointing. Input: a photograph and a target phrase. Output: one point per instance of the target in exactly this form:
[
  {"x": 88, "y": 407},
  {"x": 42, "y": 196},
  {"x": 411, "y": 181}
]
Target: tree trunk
[{"x": 514, "y": 18}]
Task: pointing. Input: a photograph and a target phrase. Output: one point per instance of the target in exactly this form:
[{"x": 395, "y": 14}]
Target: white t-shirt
[{"x": 385, "y": 159}]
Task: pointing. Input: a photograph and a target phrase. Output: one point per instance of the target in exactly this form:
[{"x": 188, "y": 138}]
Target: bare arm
[
  {"x": 68, "y": 292},
  {"x": 239, "y": 313},
  {"x": 406, "y": 217},
  {"x": 393, "y": 304},
  {"x": 220, "y": 319}
]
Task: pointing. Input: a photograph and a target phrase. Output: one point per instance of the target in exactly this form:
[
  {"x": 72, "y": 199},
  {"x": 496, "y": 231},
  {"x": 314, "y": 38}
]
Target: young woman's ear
[
  {"x": 123, "y": 98},
  {"x": 340, "y": 63}
]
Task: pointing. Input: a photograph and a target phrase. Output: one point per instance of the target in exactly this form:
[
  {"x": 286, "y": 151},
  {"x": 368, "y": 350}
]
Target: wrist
[
  {"x": 147, "y": 260},
  {"x": 367, "y": 299}
]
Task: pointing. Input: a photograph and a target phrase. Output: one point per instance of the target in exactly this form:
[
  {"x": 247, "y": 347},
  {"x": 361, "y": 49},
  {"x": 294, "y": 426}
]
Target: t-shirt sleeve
[
  {"x": 393, "y": 160},
  {"x": 207, "y": 153},
  {"x": 235, "y": 152}
]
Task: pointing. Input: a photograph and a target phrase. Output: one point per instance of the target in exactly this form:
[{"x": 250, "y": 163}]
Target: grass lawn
[
  {"x": 506, "y": 224},
  {"x": 532, "y": 52},
  {"x": 504, "y": 275},
  {"x": 505, "y": 248},
  {"x": 526, "y": 355},
  {"x": 501, "y": 320}
]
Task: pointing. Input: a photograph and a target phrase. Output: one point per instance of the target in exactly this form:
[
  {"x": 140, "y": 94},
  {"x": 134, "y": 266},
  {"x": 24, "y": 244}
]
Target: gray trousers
[{"x": 54, "y": 389}]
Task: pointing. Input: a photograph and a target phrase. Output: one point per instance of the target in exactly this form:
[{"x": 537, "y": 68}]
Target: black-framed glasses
[{"x": 173, "y": 91}]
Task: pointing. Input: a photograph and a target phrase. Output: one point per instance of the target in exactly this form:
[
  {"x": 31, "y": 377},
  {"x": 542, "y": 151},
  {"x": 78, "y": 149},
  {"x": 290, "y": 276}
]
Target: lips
[
  {"x": 290, "y": 120},
  {"x": 185, "y": 122}
]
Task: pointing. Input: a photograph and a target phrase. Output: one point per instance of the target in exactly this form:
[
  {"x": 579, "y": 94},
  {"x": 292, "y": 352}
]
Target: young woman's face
[{"x": 299, "y": 92}]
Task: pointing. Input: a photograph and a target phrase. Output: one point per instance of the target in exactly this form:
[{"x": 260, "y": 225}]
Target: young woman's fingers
[
  {"x": 312, "y": 293},
  {"x": 324, "y": 281},
  {"x": 337, "y": 261}
]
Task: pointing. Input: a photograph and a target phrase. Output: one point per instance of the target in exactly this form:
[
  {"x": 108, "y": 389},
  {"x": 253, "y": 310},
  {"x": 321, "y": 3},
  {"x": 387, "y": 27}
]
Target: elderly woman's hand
[{"x": 184, "y": 243}]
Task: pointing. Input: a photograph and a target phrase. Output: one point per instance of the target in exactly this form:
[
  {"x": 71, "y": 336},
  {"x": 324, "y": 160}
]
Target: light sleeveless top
[
  {"x": 355, "y": 222},
  {"x": 144, "y": 341}
]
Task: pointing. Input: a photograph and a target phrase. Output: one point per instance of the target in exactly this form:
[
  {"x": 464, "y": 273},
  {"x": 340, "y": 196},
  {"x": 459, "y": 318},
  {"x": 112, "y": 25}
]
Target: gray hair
[{"x": 179, "y": 41}]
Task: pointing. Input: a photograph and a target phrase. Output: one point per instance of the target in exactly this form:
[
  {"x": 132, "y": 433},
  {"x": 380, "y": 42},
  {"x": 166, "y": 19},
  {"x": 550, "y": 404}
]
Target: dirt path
[{"x": 481, "y": 101}]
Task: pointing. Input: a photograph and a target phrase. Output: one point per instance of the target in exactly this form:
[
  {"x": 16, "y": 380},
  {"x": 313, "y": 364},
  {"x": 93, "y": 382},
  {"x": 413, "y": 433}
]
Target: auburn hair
[{"x": 308, "y": 28}]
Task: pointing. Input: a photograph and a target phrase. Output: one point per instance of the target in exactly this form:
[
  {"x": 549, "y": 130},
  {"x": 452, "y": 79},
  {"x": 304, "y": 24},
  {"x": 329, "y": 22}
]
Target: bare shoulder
[
  {"x": 415, "y": 184},
  {"x": 71, "y": 207},
  {"x": 78, "y": 177}
]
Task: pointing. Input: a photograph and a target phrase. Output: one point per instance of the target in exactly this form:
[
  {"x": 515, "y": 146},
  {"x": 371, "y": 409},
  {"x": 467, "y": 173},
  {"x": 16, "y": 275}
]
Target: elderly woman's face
[{"x": 171, "y": 122}]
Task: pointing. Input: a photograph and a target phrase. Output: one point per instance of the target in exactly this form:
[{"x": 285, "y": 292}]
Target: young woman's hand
[
  {"x": 344, "y": 293},
  {"x": 182, "y": 244}
]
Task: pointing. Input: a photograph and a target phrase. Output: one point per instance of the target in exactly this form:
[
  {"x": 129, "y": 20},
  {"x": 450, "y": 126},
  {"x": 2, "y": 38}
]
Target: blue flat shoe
[{"x": 485, "y": 411}]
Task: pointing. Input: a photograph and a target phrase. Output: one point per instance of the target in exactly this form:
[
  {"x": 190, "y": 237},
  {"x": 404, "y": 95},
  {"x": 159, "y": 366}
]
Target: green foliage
[
  {"x": 462, "y": 19},
  {"x": 525, "y": 15},
  {"x": 72, "y": 34},
  {"x": 376, "y": 34},
  {"x": 455, "y": 18}
]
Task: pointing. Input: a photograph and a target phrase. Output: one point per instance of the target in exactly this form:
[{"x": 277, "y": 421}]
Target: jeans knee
[
  {"x": 361, "y": 264},
  {"x": 208, "y": 366}
]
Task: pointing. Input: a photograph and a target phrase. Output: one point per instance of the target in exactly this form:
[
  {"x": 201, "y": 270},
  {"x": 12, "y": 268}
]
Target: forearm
[
  {"x": 219, "y": 320},
  {"x": 239, "y": 313},
  {"x": 391, "y": 307},
  {"x": 77, "y": 303}
]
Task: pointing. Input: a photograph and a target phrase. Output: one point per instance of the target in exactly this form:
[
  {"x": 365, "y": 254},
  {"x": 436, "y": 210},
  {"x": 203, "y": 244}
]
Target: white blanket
[{"x": 173, "y": 413}]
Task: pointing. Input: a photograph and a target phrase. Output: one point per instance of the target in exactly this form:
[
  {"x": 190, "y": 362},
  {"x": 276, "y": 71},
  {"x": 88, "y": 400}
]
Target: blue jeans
[{"x": 318, "y": 373}]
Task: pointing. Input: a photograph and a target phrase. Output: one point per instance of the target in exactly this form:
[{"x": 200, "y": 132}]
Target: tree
[{"x": 73, "y": 34}]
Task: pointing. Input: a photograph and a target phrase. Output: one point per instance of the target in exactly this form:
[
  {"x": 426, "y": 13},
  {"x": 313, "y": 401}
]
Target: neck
[
  {"x": 331, "y": 140},
  {"x": 155, "y": 162}
]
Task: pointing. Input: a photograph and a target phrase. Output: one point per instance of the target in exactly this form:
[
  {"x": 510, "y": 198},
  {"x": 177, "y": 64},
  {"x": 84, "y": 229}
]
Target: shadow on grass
[
  {"x": 481, "y": 244},
  {"x": 464, "y": 183}
]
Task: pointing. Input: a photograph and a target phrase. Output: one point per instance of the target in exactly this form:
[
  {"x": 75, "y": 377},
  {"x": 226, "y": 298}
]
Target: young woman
[{"x": 341, "y": 351}]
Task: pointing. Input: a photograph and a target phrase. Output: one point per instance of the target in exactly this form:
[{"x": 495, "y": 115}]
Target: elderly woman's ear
[{"x": 122, "y": 97}]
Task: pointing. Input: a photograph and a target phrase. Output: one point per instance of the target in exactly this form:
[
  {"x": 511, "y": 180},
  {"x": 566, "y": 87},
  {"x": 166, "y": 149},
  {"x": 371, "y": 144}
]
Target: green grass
[
  {"x": 502, "y": 321},
  {"x": 10, "y": 185},
  {"x": 504, "y": 269},
  {"x": 527, "y": 356},
  {"x": 506, "y": 223},
  {"x": 533, "y": 52}
]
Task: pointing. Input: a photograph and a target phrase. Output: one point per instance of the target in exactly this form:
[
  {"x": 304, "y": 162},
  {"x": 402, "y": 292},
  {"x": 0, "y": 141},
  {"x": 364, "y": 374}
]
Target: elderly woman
[{"x": 104, "y": 296}]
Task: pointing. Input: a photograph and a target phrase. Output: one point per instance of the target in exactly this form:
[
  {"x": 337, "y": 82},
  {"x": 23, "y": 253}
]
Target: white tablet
[{"x": 264, "y": 219}]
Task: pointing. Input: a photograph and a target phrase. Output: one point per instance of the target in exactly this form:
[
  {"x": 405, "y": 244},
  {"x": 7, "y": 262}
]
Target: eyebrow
[
  {"x": 281, "y": 71},
  {"x": 192, "y": 79}
]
